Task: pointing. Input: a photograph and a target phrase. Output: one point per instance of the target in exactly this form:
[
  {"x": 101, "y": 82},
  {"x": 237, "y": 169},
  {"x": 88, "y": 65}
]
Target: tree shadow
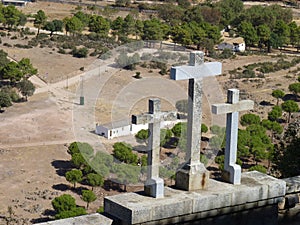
[
  {"x": 265, "y": 103},
  {"x": 172, "y": 143},
  {"x": 290, "y": 97},
  {"x": 40, "y": 220},
  {"x": 112, "y": 185},
  {"x": 60, "y": 187},
  {"x": 49, "y": 212},
  {"x": 62, "y": 166},
  {"x": 140, "y": 148},
  {"x": 78, "y": 190}
]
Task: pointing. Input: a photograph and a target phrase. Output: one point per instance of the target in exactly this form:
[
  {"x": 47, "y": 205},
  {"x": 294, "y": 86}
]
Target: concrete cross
[
  {"x": 232, "y": 172},
  {"x": 193, "y": 175},
  {"x": 154, "y": 185}
]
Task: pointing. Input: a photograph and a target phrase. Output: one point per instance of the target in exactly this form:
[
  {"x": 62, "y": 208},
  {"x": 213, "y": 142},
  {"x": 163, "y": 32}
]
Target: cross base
[
  {"x": 154, "y": 187},
  {"x": 192, "y": 177},
  {"x": 232, "y": 174}
]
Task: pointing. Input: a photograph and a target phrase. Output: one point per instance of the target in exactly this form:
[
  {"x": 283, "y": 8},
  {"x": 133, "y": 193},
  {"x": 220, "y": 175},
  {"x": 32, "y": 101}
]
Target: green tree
[
  {"x": 99, "y": 25},
  {"x": 249, "y": 118},
  {"x": 74, "y": 176},
  {"x": 170, "y": 13},
  {"x": 26, "y": 68},
  {"x": 248, "y": 32},
  {"x": 289, "y": 164},
  {"x": 295, "y": 88},
  {"x": 178, "y": 128},
  {"x": 3, "y": 58},
  {"x": 88, "y": 196},
  {"x": 282, "y": 30},
  {"x": 294, "y": 33},
  {"x": 73, "y": 148},
  {"x": 259, "y": 143},
  {"x": 278, "y": 94},
  {"x": 12, "y": 16},
  {"x": 102, "y": 163},
  {"x": 165, "y": 136},
  {"x": 123, "y": 152},
  {"x": 64, "y": 202},
  {"x": 5, "y": 100},
  {"x": 126, "y": 174},
  {"x": 73, "y": 25},
  {"x": 54, "y": 26},
  {"x": 117, "y": 25},
  {"x": 79, "y": 161},
  {"x": 290, "y": 106},
  {"x": 77, "y": 211},
  {"x": 65, "y": 207},
  {"x": 26, "y": 87},
  {"x": 12, "y": 72},
  {"x": 129, "y": 25},
  {"x": 204, "y": 128},
  {"x": 154, "y": 30},
  {"x": 275, "y": 113},
  {"x": 40, "y": 20},
  {"x": 94, "y": 180},
  {"x": 230, "y": 10},
  {"x": 142, "y": 135},
  {"x": 182, "y": 106},
  {"x": 264, "y": 34}
]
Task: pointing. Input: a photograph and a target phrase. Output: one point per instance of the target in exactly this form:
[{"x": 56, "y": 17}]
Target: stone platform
[
  {"x": 92, "y": 219},
  {"x": 256, "y": 191}
]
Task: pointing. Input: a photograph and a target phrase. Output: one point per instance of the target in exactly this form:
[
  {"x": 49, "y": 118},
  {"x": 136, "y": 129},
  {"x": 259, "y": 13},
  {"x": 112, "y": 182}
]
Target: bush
[
  {"x": 7, "y": 45},
  {"x": 80, "y": 53},
  {"x": 22, "y": 46},
  {"x": 61, "y": 51},
  {"x": 226, "y": 54},
  {"x": 258, "y": 168}
]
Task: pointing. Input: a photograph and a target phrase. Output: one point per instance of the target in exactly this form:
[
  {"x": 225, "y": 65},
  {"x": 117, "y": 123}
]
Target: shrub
[
  {"x": 80, "y": 53},
  {"x": 258, "y": 168}
]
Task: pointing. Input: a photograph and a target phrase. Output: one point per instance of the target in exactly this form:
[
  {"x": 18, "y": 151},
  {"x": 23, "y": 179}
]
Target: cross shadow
[
  {"x": 74, "y": 103},
  {"x": 62, "y": 166}
]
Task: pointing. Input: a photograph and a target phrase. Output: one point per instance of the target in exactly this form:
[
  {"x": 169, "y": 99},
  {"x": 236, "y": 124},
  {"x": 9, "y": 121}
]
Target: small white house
[
  {"x": 14, "y": 2},
  {"x": 115, "y": 129},
  {"x": 236, "y": 44},
  {"x": 124, "y": 128}
]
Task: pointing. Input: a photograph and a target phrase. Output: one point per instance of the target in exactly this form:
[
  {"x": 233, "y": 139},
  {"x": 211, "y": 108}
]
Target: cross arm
[
  {"x": 151, "y": 118},
  {"x": 141, "y": 119},
  {"x": 193, "y": 72},
  {"x": 230, "y": 108}
]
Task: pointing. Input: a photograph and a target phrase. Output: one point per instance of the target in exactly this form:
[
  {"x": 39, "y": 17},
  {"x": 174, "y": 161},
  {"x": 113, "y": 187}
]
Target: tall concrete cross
[
  {"x": 154, "y": 185},
  {"x": 193, "y": 175},
  {"x": 232, "y": 172}
]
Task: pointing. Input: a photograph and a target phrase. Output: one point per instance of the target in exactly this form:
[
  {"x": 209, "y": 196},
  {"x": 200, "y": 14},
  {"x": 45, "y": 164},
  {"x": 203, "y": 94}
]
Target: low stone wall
[
  {"x": 92, "y": 219},
  {"x": 256, "y": 191},
  {"x": 254, "y": 202}
]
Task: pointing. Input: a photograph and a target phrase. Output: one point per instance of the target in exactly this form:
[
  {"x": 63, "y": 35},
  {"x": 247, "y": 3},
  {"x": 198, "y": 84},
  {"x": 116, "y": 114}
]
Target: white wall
[
  {"x": 100, "y": 130},
  {"x": 120, "y": 131}
]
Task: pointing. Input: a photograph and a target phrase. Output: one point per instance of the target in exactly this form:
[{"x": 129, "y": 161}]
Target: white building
[
  {"x": 124, "y": 128},
  {"x": 235, "y": 44},
  {"x": 14, "y": 2}
]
